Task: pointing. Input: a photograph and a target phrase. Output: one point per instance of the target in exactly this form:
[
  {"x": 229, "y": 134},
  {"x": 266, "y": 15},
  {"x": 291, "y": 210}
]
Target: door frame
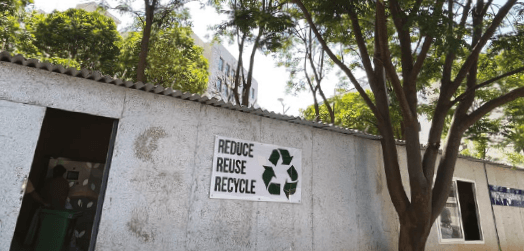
[{"x": 103, "y": 187}]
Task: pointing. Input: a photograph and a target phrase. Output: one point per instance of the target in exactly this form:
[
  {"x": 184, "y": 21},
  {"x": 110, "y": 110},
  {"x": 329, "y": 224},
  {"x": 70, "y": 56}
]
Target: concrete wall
[
  {"x": 158, "y": 190},
  {"x": 472, "y": 171},
  {"x": 510, "y": 220},
  {"x": 19, "y": 129}
]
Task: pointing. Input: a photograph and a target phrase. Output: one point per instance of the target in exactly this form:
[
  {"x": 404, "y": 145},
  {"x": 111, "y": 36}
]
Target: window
[
  {"x": 219, "y": 84},
  {"x": 459, "y": 220},
  {"x": 232, "y": 73},
  {"x": 226, "y": 91},
  {"x": 227, "y": 70},
  {"x": 252, "y": 93},
  {"x": 221, "y": 64}
]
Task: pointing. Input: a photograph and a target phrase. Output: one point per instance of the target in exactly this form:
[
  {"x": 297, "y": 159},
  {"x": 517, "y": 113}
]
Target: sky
[{"x": 271, "y": 79}]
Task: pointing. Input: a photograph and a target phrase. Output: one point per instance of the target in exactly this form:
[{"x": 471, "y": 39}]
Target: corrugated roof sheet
[{"x": 159, "y": 90}]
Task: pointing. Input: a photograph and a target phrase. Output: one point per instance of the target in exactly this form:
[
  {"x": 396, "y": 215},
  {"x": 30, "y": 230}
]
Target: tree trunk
[
  {"x": 239, "y": 70},
  {"x": 144, "y": 45},
  {"x": 247, "y": 86},
  {"x": 314, "y": 93},
  {"x": 317, "y": 110},
  {"x": 326, "y": 103},
  {"x": 313, "y": 89},
  {"x": 413, "y": 237}
]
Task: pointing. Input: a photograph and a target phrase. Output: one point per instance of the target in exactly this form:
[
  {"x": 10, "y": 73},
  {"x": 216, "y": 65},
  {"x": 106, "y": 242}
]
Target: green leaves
[
  {"x": 248, "y": 16},
  {"x": 74, "y": 38},
  {"x": 174, "y": 61},
  {"x": 352, "y": 112},
  {"x": 11, "y": 30},
  {"x": 90, "y": 38},
  {"x": 81, "y": 39}
]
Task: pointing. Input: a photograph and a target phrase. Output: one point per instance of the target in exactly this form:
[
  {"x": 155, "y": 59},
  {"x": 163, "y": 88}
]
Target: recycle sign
[
  {"x": 254, "y": 171},
  {"x": 280, "y": 158}
]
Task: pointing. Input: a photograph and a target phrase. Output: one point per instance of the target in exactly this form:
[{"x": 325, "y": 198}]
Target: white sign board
[{"x": 246, "y": 170}]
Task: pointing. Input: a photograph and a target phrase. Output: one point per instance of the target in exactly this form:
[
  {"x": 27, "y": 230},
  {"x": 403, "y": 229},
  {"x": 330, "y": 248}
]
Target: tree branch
[
  {"x": 472, "y": 58},
  {"x": 443, "y": 104},
  {"x": 333, "y": 57},
  {"x": 486, "y": 7},
  {"x": 388, "y": 65},
  {"x": 418, "y": 45},
  {"x": 485, "y": 83},
  {"x": 446, "y": 168},
  {"x": 366, "y": 61},
  {"x": 420, "y": 59},
  {"x": 492, "y": 104},
  {"x": 389, "y": 150},
  {"x": 428, "y": 41},
  {"x": 416, "y": 8},
  {"x": 450, "y": 56}
]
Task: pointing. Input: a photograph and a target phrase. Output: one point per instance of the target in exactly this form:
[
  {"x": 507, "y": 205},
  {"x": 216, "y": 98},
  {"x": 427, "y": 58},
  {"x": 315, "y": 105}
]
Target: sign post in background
[{"x": 247, "y": 170}]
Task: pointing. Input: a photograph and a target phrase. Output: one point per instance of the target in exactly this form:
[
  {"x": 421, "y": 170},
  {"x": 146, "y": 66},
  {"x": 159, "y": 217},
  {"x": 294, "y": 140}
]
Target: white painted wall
[
  {"x": 19, "y": 129},
  {"x": 510, "y": 220},
  {"x": 158, "y": 190},
  {"x": 157, "y": 196}
]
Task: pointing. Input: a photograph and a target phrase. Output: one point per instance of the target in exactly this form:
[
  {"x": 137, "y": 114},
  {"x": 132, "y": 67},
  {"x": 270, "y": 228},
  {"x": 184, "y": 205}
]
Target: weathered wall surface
[
  {"x": 157, "y": 196},
  {"x": 158, "y": 189},
  {"x": 509, "y": 220},
  {"x": 36, "y": 87},
  {"x": 19, "y": 129}
]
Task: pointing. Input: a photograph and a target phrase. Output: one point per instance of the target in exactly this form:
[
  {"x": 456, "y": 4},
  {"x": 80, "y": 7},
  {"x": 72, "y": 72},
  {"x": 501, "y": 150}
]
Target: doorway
[{"x": 82, "y": 144}]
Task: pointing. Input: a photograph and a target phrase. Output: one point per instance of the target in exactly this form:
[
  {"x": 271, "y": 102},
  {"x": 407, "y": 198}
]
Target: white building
[
  {"x": 222, "y": 66},
  {"x": 92, "y": 6}
]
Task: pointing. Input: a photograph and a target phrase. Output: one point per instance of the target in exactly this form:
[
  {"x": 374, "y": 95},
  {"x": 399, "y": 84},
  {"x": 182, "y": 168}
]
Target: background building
[
  {"x": 222, "y": 66},
  {"x": 92, "y": 6}
]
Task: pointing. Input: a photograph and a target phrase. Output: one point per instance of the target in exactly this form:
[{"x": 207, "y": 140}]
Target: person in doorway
[
  {"x": 57, "y": 188},
  {"x": 30, "y": 189}
]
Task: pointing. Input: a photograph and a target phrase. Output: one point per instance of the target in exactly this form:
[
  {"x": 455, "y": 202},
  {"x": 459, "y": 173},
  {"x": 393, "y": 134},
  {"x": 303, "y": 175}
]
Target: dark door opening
[
  {"x": 82, "y": 144},
  {"x": 469, "y": 209}
]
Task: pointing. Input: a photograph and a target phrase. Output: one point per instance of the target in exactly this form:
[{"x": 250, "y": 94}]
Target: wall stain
[
  {"x": 147, "y": 142},
  {"x": 137, "y": 225}
]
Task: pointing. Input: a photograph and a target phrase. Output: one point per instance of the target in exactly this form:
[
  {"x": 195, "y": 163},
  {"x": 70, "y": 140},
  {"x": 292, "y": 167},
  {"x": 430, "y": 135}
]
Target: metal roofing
[{"x": 159, "y": 90}]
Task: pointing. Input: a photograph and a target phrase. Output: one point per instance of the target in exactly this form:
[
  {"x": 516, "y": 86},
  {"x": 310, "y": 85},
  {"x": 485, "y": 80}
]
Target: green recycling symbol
[{"x": 290, "y": 187}]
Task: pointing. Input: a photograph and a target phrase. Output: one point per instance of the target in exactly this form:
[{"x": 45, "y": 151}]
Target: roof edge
[{"x": 203, "y": 99}]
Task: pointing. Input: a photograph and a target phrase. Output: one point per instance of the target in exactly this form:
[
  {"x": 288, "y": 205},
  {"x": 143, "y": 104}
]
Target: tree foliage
[
  {"x": 153, "y": 14},
  {"x": 307, "y": 65},
  {"x": 11, "y": 14},
  {"x": 87, "y": 38},
  {"x": 448, "y": 50},
  {"x": 174, "y": 61},
  {"x": 260, "y": 23},
  {"x": 81, "y": 39},
  {"x": 352, "y": 112}
]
